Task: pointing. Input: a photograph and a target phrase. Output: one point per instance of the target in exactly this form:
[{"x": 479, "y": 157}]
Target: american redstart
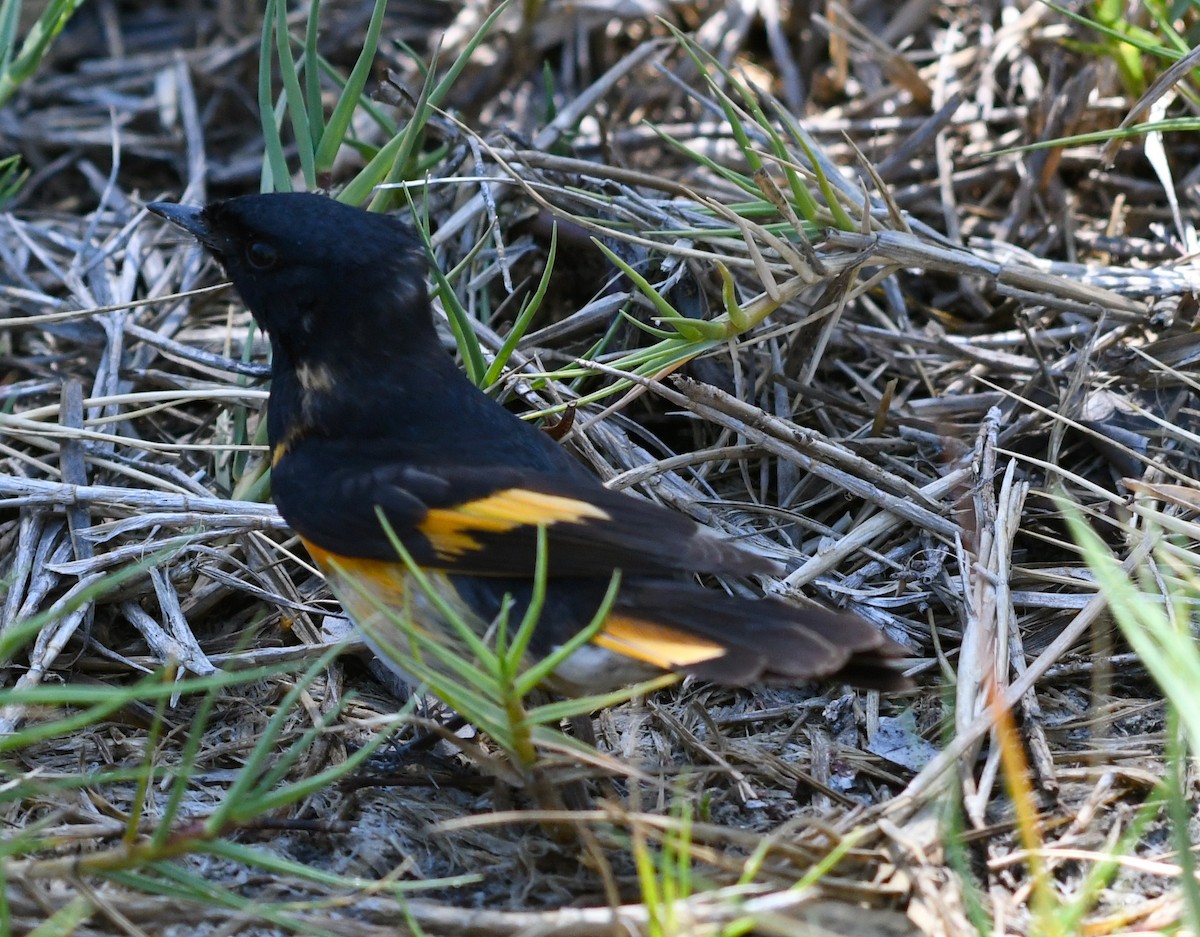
[{"x": 370, "y": 418}]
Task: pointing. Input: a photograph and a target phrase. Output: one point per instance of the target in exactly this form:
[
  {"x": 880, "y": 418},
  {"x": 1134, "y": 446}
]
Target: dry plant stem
[
  {"x": 549, "y": 135},
  {"x": 1008, "y": 522},
  {"x": 892, "y": 302},
  {"x": 261, "y": 553},
  {"x": 936, "y": 908},
  {"x": 46, "y": 547},
  {"x": 20, "y": 492},
  {"x": 586, "y": 169},
  {"x": 930, "y": 780},
  {"x": 19, "y": 426},
  {"x": 994, "y": 579},
  {"x": 867, "y": 532},
  {"x": 151, "y": 398},
  {"x": 193, "y": 657},
  {"x": 139, "y": 552},
  {"x": 896, "y": 67},
  {"x": 799, "y": 850},
  {"x": 166, "y": 650},
  {"x": 73, "y": 466},
  {"x": 707, "y": 911},
  {"x": 49, "y": 644},
  {"x": 1165, "y": 81},
  {"x": 695, "y": 744},
  {"x": 812, "y": 453},
  {"x": 983, "y": 653},
  {"x": 642, "y": 473},
  {"x": 906, "y": 250},
  {"x": 29, "y": 533},
  {"x": 864, "y": 533}
]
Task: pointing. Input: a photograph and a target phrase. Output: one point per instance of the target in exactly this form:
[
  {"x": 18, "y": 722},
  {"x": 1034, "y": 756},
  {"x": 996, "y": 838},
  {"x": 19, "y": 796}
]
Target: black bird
[{"x": 370, "y": 417}]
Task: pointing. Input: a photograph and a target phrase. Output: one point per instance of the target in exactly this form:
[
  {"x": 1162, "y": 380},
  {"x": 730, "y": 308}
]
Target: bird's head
[{"x": 312, "y": 269}]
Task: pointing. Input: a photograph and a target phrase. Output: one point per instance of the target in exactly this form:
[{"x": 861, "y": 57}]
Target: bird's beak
[{"x": 188, "y": 217}]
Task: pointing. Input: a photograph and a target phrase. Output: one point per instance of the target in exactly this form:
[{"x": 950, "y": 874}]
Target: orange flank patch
[
  {"x": 449, "y": 530},
  {"x": 354, "y": 566},
  {"x": 655, "y": 644},
  {"x": 362, "y": 586}
]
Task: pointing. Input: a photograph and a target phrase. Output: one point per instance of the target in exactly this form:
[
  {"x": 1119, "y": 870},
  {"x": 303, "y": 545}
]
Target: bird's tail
[{"x": 669, "y": 624}]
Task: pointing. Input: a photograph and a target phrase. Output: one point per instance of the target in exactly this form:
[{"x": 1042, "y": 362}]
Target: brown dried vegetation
[{"x": 998, "y": 327}]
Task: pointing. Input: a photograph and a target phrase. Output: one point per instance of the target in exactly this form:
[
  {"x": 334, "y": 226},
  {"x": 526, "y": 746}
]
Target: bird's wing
[{"x": 484, "y": 521}]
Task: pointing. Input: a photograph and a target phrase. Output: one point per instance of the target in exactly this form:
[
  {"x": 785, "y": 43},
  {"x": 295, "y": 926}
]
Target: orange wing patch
[
  {"x": 449, "y": 530},
  {"x": 667, "y": 648}
]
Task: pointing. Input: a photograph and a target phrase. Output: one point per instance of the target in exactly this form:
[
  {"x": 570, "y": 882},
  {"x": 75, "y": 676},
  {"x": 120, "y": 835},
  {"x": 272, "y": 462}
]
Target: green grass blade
[
  {"x": 312, "y": 74},
  {"x": 691, "y": 329},
  {"x": 521, "y": 325},
  {"x": 460, "y": 323},
  {"x": 1179, "y": 762},
  {"x": 383, "y": 120},
  {"x": 237, "y": 804},
  {"x": 66, "y": 920},
  {"x": 338, "y": 124},
  {"x": 9, "y": 13},
  {"x": 392, "y": 154},
  {"x": 434, "y": 98},
  {"x": 20, "y": 66},
  {"x": 550, "y": 713},
  {"x": 275, "y": 171},
  {"x": 541, "y": 671},
  {"x": 514, "y": 654},
  {"x": 293, "y": 95},
  {"x": 1168, "y": 652}
]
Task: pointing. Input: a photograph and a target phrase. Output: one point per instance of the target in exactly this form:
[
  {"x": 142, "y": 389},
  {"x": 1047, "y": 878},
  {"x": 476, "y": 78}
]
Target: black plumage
[{"x": 369, "y": 415}]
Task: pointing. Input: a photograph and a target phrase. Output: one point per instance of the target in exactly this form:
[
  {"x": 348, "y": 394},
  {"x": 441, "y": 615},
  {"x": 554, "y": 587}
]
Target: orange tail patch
[{"x": 652, "y": 643}]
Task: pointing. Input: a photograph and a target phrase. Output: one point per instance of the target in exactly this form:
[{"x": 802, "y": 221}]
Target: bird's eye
[{"x": 261, "y": 256}]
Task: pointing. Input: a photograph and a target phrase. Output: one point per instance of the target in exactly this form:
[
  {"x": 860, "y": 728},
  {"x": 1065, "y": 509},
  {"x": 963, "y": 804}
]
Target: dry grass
[{"x": 997, "y": 328}]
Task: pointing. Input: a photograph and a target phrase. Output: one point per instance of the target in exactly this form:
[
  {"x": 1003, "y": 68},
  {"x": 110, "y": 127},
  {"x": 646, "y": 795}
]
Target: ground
[{"x": 929, "y": 340}]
